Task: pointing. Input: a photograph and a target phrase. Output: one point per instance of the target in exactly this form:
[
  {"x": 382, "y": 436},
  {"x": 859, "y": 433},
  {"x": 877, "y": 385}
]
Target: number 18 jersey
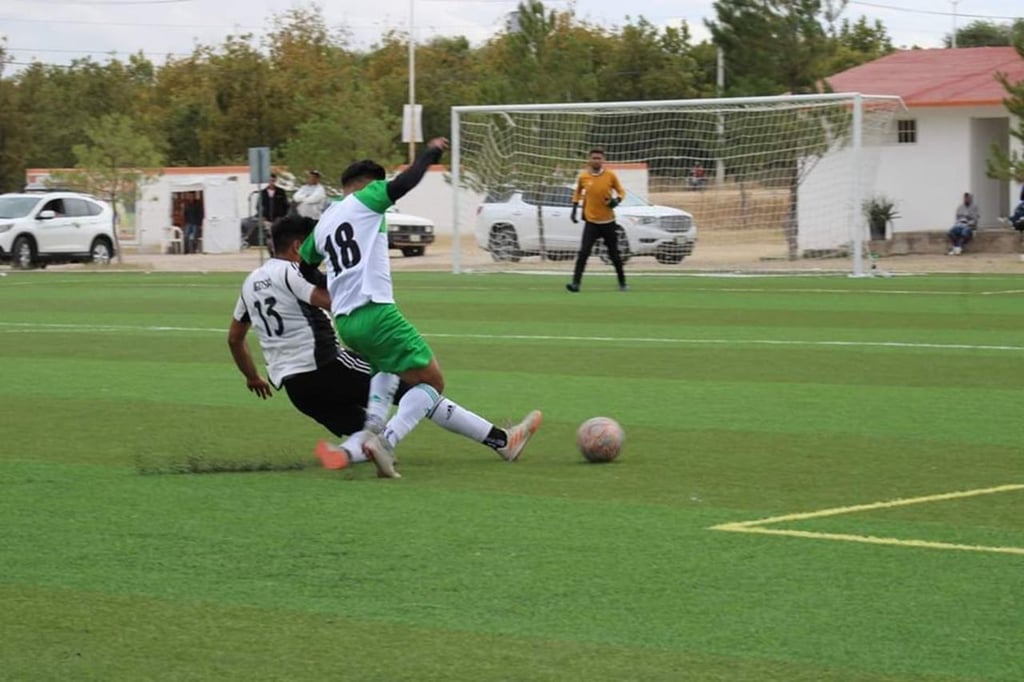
[
  {"x": 352, "y": 237},
  {"x": 295, "y": 336}
]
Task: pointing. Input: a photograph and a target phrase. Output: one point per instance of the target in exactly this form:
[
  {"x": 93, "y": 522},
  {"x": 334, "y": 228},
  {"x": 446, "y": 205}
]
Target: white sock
[
  {"x": 378, "y": 406},
  {"x": 353, "y": 445},
  {"x": 457, "y": 419},
  {"x": 416, "y": 404}
]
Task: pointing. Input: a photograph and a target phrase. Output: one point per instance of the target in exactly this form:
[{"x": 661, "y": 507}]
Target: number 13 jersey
[
  {"x": 295, "y": 335},
  {"x": 352, "y": 236}
]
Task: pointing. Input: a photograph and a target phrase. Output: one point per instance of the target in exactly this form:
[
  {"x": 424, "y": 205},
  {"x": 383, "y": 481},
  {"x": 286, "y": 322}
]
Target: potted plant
[{"x": 880, "y": 211}]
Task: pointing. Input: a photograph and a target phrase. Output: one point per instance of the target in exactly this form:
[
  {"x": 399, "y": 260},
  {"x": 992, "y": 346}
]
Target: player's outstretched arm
[
  {"x": 411, "y": 176},
  {"x": 243, "y": 360}
]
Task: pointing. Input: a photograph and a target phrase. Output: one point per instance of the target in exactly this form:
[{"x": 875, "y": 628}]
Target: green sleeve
[
  {"x": 375, "y": 196},
  {"x": 308, "y": 250}
]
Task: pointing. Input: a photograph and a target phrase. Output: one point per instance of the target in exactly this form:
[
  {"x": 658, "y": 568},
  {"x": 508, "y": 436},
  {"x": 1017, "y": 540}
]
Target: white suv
[
  {"x": 508, "y": 225},
  {"x": 54, "y": 227}
]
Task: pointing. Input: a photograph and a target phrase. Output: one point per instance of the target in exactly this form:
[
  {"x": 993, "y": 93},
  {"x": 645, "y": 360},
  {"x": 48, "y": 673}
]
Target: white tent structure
[{"x": 226, "y": 195}]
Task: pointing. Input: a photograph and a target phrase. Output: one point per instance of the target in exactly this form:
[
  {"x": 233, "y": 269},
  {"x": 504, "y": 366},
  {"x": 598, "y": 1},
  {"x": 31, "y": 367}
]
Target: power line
[
  {"x": 114, "y": 2},
  {"x": 929, "y": 11}
]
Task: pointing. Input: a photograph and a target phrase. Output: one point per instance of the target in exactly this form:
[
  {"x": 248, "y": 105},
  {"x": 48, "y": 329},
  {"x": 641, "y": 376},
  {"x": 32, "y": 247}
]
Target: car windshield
[
  {"x": 634, "y": 199},
  {"x": 17, "y": 207}
]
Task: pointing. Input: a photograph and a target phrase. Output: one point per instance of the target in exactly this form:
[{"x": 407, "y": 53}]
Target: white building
[{"x": 939, "y": 146}]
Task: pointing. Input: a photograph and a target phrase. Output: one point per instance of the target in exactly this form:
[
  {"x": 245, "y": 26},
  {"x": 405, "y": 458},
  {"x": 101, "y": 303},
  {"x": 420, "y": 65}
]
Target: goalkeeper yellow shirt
[{"x": 595, "y": 191}]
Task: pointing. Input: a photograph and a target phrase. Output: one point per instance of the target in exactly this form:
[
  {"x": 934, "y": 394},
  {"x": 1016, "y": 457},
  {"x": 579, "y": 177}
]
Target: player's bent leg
[{"x": 382, "y": 392}]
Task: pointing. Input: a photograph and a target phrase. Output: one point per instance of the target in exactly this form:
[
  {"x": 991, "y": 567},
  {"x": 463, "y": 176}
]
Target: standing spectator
[
  {"x": 600, "y": 191},
  {"x": 309, "y": 199},
  {"x": 966, "y": 224},
  {"x": 273, "y": 201},
  {"x": 193, "y": 222}
]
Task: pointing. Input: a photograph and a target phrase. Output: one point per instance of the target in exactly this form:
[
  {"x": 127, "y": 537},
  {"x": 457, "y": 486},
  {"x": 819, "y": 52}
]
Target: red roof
[{"x": 964, "y": 76}]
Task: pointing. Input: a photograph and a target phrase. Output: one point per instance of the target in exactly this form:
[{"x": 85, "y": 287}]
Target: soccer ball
[{"x": 600, "y": 439}]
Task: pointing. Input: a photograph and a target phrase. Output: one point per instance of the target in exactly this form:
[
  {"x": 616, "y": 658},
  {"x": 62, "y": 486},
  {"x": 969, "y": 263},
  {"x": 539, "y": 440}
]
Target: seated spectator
[
  {"x": 966, "y": 223},
  {"x": 698, "y": 176},
  {"x": 1016, "y": 219}
]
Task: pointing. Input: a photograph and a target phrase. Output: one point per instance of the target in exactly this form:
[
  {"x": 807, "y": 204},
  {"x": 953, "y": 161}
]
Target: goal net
[{"x": 742, "y": 184}]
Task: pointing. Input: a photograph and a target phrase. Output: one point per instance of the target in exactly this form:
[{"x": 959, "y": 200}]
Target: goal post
[{"x": 738, "y": 184}]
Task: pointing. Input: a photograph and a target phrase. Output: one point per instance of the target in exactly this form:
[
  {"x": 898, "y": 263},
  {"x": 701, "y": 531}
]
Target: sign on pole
[
  {"x": 412, "y": 129},
  {"x": 259, "y": 165}
]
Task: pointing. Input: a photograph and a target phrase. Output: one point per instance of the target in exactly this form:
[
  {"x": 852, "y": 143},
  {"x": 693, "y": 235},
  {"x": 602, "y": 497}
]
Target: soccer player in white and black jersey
[{"x": 325, "y": 382}]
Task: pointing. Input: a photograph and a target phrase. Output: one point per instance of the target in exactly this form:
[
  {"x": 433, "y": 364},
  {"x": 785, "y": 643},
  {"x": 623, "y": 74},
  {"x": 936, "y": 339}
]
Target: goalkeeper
[{"x": 600, "y": 192}]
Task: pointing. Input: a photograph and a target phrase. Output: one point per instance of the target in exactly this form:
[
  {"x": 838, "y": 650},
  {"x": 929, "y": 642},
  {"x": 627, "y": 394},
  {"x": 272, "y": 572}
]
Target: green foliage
[
  {"x": 331, "y": 141},
  {"x": 857, "y": 43},
  {"x": 983, "y": 33},
  {"x": 879, "y": 211},
  {"x": 1002, "y": 164},
  {"x": 771, "y": 47},
  {"x": 116, "y": 158}
]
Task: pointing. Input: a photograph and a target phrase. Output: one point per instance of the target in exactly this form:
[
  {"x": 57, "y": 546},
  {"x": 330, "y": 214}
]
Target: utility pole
[
  {"x": 412, "y": 82},
  {"x": 954, "y": 3}
]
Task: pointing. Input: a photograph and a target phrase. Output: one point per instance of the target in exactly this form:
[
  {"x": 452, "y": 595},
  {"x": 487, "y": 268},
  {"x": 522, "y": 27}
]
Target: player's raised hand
[
  {"x": 260, "y": 387},
  {"x": 438, "y": 143}
]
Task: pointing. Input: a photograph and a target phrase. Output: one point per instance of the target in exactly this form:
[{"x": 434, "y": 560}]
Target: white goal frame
[{"x": 856, "y": 192}]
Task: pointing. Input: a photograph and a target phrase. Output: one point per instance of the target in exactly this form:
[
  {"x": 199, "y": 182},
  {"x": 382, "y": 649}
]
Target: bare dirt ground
[{"x": 727, "y": 256}]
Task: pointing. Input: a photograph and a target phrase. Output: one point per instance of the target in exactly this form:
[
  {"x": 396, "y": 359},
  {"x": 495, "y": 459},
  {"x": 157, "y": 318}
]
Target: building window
[{"x": 906, "y": 131}]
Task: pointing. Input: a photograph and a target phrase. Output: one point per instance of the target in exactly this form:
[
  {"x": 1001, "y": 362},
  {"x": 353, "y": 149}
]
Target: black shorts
[{"x": 335, "y": 394}]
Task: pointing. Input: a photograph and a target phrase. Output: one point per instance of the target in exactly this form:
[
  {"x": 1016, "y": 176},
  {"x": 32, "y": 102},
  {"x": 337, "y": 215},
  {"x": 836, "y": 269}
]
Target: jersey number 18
[{"x": 342, "y": 248}]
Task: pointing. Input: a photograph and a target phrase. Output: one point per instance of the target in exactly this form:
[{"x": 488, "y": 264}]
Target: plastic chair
[{"x": 172, "y": 241}]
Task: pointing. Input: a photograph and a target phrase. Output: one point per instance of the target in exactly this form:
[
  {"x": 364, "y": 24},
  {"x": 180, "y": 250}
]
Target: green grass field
[{"x": 743, "y": 399}]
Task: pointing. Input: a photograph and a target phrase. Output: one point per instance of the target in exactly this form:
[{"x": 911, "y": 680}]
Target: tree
[
  {"x": 331, "y": 140},
  {"x": 857, "y": 43},
  {"x": 983, "y": 33},
  {"x": 545, "y": 56},
  {"x": 115, "y": 161},
  {"x": 771, "y": 46},
  {"x": 645, "y": 62},
  {"x": 1004, "y": 165},
  {"x": 14, "y": 142}
]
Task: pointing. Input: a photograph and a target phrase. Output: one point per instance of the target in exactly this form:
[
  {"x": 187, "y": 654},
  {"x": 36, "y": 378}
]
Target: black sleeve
[
  {"x": 312, "y": 274},
  {"x": 412, "y": 175}
]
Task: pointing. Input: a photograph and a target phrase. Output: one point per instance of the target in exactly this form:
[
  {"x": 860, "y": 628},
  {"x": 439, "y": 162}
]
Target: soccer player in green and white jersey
[{"x": 352, "y": 237}]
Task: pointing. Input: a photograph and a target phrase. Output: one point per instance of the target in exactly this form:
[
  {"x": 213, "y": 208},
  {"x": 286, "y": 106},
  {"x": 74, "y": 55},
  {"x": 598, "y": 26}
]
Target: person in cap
[{"x": 309, "y": 199}]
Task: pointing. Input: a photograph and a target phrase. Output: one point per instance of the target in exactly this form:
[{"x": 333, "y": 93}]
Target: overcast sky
[{"x": 57, "y": 31}]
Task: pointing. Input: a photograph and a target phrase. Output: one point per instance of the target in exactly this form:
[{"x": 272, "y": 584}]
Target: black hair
[
  {"x": 366, "y": 168},
  {"x": 288, "y": 229},
  {"x": 597, "y": 150}
]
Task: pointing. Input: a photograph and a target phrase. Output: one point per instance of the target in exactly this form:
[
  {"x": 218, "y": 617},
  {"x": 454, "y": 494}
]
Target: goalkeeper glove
[
  {"x": 572, "y": 214},
  {"x": 612, "y": 202}
]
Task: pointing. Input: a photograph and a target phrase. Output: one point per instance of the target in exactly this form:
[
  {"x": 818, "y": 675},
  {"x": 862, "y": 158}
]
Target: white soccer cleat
[
  {"x": 382, "y": 455},
  {"x": 519, "y": 435}
]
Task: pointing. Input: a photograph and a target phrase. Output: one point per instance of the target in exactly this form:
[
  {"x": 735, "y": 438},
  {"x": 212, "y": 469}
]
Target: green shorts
[{"x": 381, "y": 334}]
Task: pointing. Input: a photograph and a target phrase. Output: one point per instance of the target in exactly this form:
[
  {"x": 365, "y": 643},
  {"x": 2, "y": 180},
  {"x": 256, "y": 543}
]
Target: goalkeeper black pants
[{"x": 608, "y": 233}]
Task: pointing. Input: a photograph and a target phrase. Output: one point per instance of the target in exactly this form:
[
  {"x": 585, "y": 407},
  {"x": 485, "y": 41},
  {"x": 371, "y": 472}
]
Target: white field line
[
  {"x": 757, "y": 526},
  {"x": 25, "y": 327}
]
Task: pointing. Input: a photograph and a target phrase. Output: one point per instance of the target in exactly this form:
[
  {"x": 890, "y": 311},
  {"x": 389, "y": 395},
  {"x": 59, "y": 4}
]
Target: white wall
[{"x": 927, "y": 179}]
